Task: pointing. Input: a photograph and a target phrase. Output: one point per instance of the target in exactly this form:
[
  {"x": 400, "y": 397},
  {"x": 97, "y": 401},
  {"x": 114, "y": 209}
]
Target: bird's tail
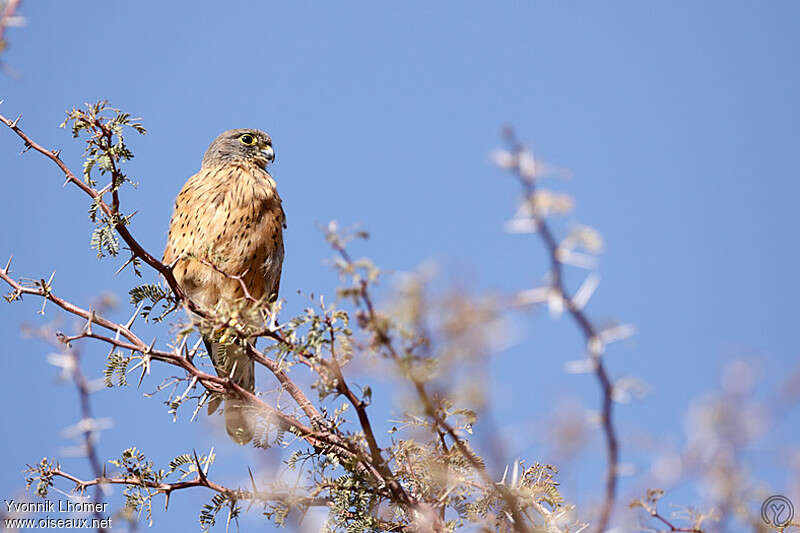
[{"x": 239, "y": 421}]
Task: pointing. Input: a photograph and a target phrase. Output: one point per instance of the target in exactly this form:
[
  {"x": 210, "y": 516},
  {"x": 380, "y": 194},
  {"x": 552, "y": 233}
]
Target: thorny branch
[
  {"x": 322, "y": 439},
  {"x": 111, "y": 211},
  {"x": 180, "y": 357},
  {"x": 360, "y": 457},
  {"x": 383, "y": 338},
  {"x": 89, "y": 434},
  {"x": 201, "y": 480},
  {"x": 673, "y": 527},
  {"x": 650, "y": 504},
  {"x": 72, "y": 367},
  {"x": 590, "y": 333}
]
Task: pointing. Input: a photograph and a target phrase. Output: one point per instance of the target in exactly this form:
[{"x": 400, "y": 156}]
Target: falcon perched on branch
[{"x": 225, "y": 236}]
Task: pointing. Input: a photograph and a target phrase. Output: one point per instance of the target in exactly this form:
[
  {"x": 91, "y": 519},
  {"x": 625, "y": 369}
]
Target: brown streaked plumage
[{"x": 230, "y": 214}]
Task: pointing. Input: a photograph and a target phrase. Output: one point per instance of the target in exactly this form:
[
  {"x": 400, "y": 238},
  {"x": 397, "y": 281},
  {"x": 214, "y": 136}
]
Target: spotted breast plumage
[{"x": 228, "y": 221}]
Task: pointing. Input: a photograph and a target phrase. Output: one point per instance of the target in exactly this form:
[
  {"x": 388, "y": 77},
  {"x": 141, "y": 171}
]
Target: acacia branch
[
  {"x": 7, "y": 15},
  {"x": 342, "y": 387},
  {"x": 136, "y": 249},
  {"x": 136, "y": 343},
  {"x": 198, "y": 481},
  {"x": 672, "y": 527},
  {"x": 361, "y": 409},
  {"x": 323, "y": 439},
  {"x": 383, "y": 338},
  {"x": 319, "y": 439},
  {"x": 88, "y": 435},
  {"x": 590, "y": 333},
  {"x": 295, "y": 392}
]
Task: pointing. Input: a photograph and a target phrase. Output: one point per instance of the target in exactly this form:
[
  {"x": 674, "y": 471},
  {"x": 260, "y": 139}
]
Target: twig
[
  {"x": 672, "y": 527},
  {"x": 587, "y": 328},
  {"x": 198, "y": 481},
  {"x": 88, "y": 435},
  {"x": 322, "y": 439},
  {"x": 520, "y": 524},
  {"x": 97, "y": 196}
]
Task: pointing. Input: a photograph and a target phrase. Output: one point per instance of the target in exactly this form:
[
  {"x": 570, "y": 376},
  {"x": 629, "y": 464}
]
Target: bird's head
[{"x": 242, "y": 145}]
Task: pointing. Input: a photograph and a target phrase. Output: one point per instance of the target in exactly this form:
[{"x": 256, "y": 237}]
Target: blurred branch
[
  {"x": 377, "y": 482},
  {"x": 527, "y": 178},
  {"x": 381, "y": 336},
  {"x": 8, "y": 18},
  {"x": 89, "y": 433},
  {"x": 650, "y": 504},
  {"x": 89, "y": 429}
]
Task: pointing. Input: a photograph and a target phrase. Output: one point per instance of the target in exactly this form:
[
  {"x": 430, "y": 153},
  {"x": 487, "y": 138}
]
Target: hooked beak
[{"x": 268, "y": 153}]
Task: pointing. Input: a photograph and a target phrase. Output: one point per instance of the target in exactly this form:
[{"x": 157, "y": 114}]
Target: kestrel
[{"x": 229, "y": 214}]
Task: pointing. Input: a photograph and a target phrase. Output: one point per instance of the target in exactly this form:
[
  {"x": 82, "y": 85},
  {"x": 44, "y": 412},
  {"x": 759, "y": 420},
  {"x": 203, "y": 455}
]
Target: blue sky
[{"x": 679, "y": 123}]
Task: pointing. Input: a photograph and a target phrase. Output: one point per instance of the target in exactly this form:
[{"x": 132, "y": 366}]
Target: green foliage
[
  {"x": 116, "y": 365},
  {"x": 208, "y": 515},
  {"x": 104, "y": 128},
  {"x": 42, "y": 475},
  {"x": 154, "y": 294},
  {"x": 144, "y": 478},
  {"x": 426, "y": 471},
  {"x": 104, "y": 240},
  {"x": 138, "y": 495}
]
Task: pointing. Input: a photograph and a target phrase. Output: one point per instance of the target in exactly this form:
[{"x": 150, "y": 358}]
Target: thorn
[
  {"x": 104, "y": 190},
  {"x": 167, "y": 492},
  {"x": 137, "y": 365},
  {"x": 200, "y": 474},
  {"x": 56, "y": 153},
  {"x": 191, "y": 353},
  {"x": 150, "y": 348},
  {"x": 182, "y": 347},
  {"x": 104, "y": 470},
  {"x": 253, "y": 481},
  {"x": 8, "y": 265},
  {"x": 171, "y": 266},
  {"x": 209, "y": 459},
  {"x": 129, "y": 323},
  {"x": 200, "y": 404},
  {"x": 145, "y": 368},
  {"x": 126, "y": 263},
  {"x": 16, "y": 121},
  {"x": 141, "y": 378},
  {"x": 88, "y": 326},
  {"x": 192, "y": 383}
]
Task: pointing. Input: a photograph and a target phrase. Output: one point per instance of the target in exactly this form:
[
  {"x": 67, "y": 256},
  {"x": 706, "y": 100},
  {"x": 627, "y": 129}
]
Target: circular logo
[{"x": 777, "y": 511}]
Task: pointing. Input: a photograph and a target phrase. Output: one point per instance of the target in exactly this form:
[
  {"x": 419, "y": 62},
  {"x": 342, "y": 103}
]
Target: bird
[{"x": 225, "y": 246}]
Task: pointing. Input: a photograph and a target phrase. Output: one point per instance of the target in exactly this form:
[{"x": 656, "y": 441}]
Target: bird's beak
[{"x": 268, "y": 153}]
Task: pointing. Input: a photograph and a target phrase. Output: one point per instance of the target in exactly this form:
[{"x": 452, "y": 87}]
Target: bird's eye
[{"x": 247, "y": 139}]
